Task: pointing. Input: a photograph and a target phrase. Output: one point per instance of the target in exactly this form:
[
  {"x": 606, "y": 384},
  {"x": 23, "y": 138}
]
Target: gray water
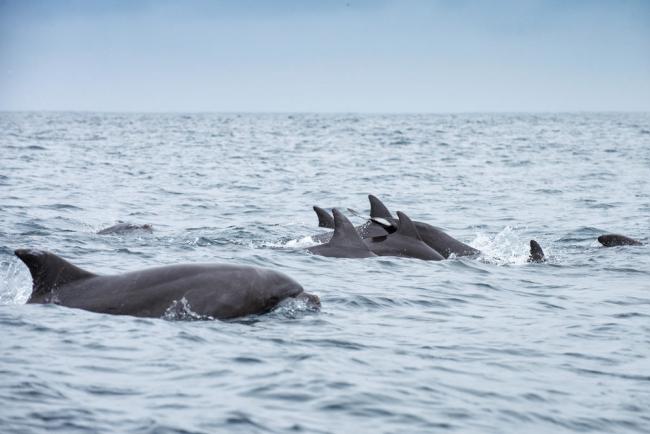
[{"x": 489, "y": 344}]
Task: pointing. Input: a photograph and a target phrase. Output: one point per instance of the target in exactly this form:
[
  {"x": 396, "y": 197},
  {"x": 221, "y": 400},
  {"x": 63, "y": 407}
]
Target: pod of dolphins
[{"x": 224, "y": 291}]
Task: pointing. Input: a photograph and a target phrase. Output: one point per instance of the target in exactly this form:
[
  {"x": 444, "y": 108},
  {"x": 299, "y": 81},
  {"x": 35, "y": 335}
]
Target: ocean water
[{"x": 473, "y": 345}]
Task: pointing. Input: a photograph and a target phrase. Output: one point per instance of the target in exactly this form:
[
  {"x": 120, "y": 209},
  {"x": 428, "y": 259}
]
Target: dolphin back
[
  {"x": 325, "y": 220},
  {"x": 536, "y": 252},
  {"x": 49, "y": 271},
  {"x": 406, "y": 227},
  {"x": 345, "y": 242},
  {"x": 612, "y": 240},
  {"x": 378, "y": 209}
]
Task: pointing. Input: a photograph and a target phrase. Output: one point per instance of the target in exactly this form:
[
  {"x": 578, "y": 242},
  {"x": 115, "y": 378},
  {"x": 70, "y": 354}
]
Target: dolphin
[
  {"x": 433, "y": 236},
  {"x": 372, "y": 229},
  {"x": 611, "y": 240},
  {"x": 208, "y": 290},
  {"x": 325, "y": 220},
  {"x": 536, "y": 252},
  {"x": 123, "y": 228},
  {"x": 345, "y": 242},
  {"x": 366, "y": 230},
  {"x": 405, "y": 242}
]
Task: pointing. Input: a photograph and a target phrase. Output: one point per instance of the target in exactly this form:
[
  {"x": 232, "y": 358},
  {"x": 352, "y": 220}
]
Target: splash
[
  {"x": 295, "y": 307},
  {"x": 298, "y": 243},
  {"x": 507, "y": 247},
  {"x": 180, "y": 310},
  {"x": 15, "y": 283}
]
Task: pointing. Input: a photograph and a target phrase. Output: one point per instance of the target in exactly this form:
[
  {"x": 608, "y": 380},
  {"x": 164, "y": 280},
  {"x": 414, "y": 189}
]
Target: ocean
[{"x": 488, "y": 344}]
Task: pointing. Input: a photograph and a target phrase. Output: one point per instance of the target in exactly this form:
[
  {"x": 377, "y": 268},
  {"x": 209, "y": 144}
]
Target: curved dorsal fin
[
  {"x": 378, "y": 209},
  {"x": 49, "y": 270},
  {"x": 536, "y": 252},
  {"x": 406, "y": 226},
  {"x": 325, "y": 220},
  {"x": 345, "y": 233}
]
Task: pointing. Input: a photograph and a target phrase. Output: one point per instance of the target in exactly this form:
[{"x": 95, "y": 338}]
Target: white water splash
[
  {"x": 294, "y": 307},
  {"x": 180, "y": 310},
  {"x": 298, "y": 243},
  {"x": 507, "y": 247},
  {"x": 15, "y": 283}
]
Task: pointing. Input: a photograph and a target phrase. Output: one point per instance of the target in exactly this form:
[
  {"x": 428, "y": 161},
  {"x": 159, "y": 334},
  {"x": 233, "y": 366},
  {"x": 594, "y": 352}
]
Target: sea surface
[{"x": 491, "y": 344}]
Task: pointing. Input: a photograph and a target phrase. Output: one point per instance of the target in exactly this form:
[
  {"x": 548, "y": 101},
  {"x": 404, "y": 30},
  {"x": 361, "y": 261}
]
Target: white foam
[
  {"x": 298, "y": 243},
  {"x": 16, "y": 283},
  {"x": 180, "y": 310},
  {"x": 294, "y": 307},
  {"x": 507, "y": 247}
]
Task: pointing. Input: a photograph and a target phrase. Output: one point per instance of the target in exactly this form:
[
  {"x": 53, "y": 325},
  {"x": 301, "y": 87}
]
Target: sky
[{"x": 325, "y": 56}]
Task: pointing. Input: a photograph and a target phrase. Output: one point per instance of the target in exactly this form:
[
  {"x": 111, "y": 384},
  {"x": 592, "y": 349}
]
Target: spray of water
[
  {"x": 180, "y": 310},
  {"x": 298, "y": 243},
  {"x": 15, "y": 283},
  {"x": 508, "y": 247}
]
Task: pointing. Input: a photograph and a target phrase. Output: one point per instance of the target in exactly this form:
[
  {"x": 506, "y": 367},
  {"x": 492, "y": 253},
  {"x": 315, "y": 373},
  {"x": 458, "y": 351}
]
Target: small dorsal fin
[
  {"x": 378, "y": 209},
  {"x": 536, "y": 252},
  {"x": 406, "y": 226},
  {"x": 345, "y": 233},
  {"x": 325, "y": 220},
  {"x": 49, "y": 270}
]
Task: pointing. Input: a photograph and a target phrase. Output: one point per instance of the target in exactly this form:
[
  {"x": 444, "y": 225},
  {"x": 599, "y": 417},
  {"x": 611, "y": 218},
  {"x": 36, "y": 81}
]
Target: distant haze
[{"x": 325, "y": 56}]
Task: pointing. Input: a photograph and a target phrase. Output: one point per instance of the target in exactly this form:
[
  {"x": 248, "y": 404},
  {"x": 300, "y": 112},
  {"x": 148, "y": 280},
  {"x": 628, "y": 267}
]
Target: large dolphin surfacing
[{"x": 209, "y": 290}]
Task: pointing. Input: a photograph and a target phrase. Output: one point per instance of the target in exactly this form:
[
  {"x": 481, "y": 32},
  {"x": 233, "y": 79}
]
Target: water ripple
[{"x": 484, "y": 344}]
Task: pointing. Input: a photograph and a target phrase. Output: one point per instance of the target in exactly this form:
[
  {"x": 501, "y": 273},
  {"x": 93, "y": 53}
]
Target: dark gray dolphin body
[
  {"x": 123, "y": 228},
  {"x": 441, "y": 242},
  {"x": 611, "y": 240},
  {"x": 345, "y": 241},
  {"x": 208, "y": 290},
  {"x": 404, "y": 242},
  {"x": 536, "y": 252},
  {"x": 434, "y": 237}
]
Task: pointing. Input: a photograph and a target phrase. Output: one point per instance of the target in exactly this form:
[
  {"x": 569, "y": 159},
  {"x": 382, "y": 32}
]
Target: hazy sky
[{"x": 341, "y": 56}]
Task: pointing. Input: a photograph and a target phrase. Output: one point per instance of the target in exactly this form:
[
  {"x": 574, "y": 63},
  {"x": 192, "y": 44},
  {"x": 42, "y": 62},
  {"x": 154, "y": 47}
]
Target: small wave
[
  {"x": 297, "y": 243},
  {"x": 203, "y": 241},
  {"x": 62, "y": 207},
  {"x": 94, "y": 138},
  {"x": 585, "y": 233}
]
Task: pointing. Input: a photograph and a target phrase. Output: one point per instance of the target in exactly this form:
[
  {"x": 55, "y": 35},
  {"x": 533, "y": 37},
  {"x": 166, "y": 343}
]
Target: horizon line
[{"x": 326, "y": 112}]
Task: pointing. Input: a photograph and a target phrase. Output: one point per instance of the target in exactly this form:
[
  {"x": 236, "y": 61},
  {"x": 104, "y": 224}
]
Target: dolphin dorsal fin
[
  {"x": 536, "y": 252},
  {"x": 345, "y": 233},
  {"x": 325, "y": 220},
  {"x": 378, "y": 209},
  {"x": 49, "y": 270},
  {"x": 407, "y": 227}
]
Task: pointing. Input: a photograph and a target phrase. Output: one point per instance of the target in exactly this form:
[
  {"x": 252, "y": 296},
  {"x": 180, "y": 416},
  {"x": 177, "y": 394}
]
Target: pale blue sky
[{"x": 327, "y": 56}]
